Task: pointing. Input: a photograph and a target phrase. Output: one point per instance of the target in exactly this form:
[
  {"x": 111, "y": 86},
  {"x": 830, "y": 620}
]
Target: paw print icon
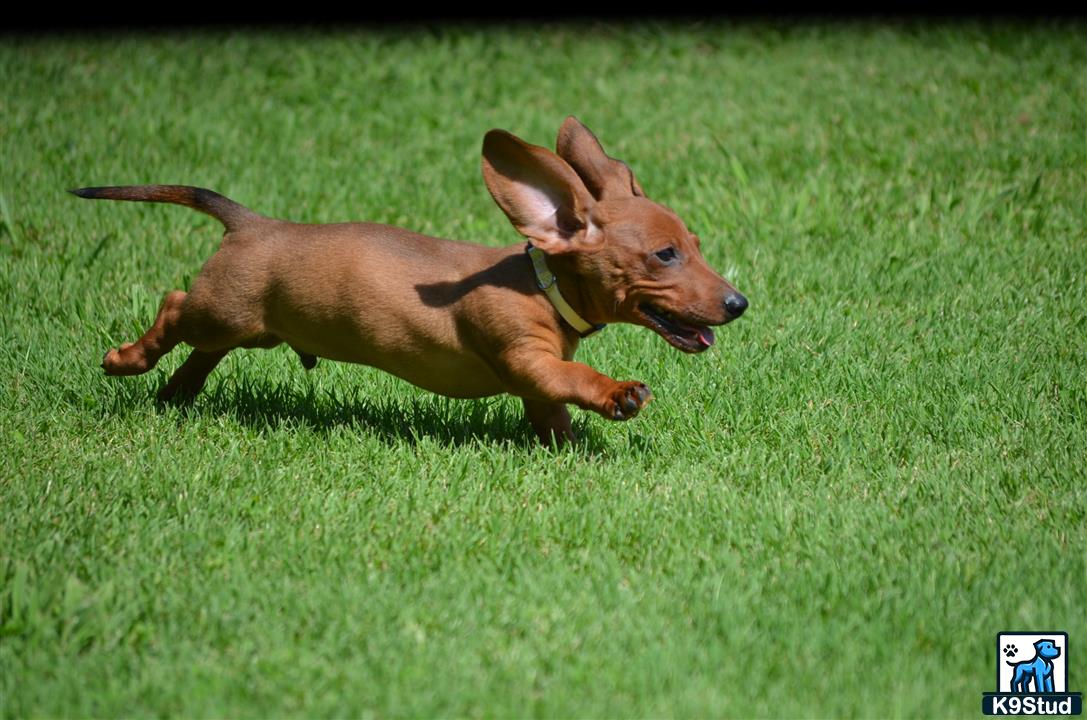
[{"x": 1009, "y": 650}]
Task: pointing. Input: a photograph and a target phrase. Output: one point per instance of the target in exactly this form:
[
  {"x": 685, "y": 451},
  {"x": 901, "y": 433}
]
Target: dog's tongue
[{"x": 705, "y": 336}]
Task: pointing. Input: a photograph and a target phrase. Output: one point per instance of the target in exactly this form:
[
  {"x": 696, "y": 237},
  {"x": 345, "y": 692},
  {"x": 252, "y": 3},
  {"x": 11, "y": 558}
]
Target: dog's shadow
[{"x": 266, "y": 407}]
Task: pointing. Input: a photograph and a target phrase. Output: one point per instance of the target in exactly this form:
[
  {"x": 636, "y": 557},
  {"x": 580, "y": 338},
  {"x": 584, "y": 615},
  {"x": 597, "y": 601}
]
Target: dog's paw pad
[
  {"x": 628, "y": 400},
  {"x": 1009, "y": 650}
]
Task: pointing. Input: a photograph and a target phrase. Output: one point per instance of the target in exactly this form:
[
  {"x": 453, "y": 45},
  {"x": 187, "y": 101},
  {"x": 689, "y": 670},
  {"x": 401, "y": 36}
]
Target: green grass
[{"x": 831, "y": 513}]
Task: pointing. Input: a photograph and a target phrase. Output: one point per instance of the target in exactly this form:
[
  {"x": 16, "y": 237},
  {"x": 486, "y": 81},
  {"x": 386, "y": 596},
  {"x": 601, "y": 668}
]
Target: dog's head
[
  {"x": 634, "y": 259},
  {"x": 1047, "y": 649}
]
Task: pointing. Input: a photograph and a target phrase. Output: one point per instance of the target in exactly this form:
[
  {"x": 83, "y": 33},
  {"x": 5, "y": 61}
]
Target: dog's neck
[{"x": 547, "y": 281}]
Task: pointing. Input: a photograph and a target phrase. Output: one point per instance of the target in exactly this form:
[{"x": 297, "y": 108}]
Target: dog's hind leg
[
  {"x": 1021, "y": 681},
  {"x": 188, "y": 380},
  {"x": 138, "y": 357},
  {"x": 182, "y": 317}
]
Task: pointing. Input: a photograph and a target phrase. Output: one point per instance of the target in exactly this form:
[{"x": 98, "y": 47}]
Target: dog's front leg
[
  {"x": 551, "y": 421},
  {"x": 1039, "y": 680},
  {"x": 546, "y": 383}
]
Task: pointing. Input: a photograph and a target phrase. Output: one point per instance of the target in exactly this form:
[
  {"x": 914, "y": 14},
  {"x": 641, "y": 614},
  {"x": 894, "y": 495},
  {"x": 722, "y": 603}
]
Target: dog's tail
[{"x": 223, "y": 209}]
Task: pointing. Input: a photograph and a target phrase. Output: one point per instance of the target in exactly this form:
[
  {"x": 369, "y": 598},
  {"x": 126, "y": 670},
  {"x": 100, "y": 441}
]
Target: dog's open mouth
[{"x": 686, "y": 337}]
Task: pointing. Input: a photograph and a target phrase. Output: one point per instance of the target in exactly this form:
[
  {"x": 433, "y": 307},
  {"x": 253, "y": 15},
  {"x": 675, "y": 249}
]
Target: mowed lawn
[{"x": 832, "y": 512}]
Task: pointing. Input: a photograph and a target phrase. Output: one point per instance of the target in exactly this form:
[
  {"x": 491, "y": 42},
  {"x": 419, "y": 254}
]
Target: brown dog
[{"x": 458, "y": 319}]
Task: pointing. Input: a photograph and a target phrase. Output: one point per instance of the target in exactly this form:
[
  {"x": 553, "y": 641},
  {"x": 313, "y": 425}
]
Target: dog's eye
[{"x": 667, "y": 255}]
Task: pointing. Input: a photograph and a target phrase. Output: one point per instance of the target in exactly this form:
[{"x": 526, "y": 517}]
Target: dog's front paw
[{"x": 627, "y": 400}]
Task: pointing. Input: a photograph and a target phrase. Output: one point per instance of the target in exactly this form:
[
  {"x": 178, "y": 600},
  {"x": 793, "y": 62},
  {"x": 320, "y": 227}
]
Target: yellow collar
[{"x": 545, "y": 280}]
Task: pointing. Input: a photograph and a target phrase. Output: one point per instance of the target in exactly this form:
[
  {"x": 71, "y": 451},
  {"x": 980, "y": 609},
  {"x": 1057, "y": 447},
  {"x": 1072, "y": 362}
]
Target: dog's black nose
[{"x": 735, "y": 304}]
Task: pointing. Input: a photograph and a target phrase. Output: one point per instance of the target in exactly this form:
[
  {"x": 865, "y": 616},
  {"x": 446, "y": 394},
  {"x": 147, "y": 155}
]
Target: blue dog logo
[
  {"x": 1038, "y": 686},
  {"x": 1037, "y": 670}
]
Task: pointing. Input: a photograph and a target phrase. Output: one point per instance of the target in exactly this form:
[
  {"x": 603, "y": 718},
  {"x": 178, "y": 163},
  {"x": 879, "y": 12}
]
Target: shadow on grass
[{"x": 265, "y": 406}]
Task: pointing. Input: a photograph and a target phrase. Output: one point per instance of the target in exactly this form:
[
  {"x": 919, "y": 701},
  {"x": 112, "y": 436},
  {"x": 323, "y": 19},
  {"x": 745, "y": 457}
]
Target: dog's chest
[{"x": 457, "y": 375}]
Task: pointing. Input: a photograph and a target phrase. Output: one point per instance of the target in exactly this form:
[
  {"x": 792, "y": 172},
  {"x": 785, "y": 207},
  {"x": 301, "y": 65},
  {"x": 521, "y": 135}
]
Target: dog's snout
[{"x": 735, "y": 304}]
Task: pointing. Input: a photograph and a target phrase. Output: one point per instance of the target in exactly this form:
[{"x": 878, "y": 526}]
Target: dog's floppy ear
[
  {"x": 604, "y": 176},
  {"x": 541, "y": 195}
]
